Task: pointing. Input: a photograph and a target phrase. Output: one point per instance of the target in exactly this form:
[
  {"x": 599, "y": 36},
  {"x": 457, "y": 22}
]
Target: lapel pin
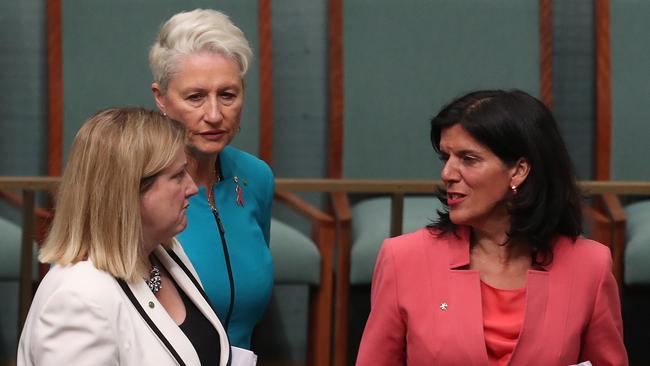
[
  {"x": 444, "y": 306},
  {"x": 239, "y": 192}
]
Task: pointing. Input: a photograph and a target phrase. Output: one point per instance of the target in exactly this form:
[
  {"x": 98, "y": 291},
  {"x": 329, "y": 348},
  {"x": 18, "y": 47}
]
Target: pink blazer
[{"x": 426, "y": 309}]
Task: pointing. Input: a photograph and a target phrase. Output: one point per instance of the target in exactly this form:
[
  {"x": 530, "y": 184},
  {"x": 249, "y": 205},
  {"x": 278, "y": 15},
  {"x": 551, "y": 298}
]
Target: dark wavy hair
[{"x": 513, "y": 124}]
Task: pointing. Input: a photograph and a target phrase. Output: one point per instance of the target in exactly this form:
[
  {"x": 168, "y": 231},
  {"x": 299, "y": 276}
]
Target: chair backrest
[
  {"x": 630, "y": 89},
  {"x": 403, "y": 61},
  {"x": 104, "y": 55}
]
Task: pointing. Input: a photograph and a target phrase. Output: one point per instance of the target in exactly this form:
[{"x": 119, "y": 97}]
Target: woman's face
[
  {"x": 163, "y": 205},
  {"x": 207, "y": 95},
  {"x": 477, "y": 181}
]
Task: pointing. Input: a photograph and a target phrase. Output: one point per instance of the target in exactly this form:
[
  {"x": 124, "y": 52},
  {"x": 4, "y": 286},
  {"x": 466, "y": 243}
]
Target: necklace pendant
[{"x": 155, "y": 281}]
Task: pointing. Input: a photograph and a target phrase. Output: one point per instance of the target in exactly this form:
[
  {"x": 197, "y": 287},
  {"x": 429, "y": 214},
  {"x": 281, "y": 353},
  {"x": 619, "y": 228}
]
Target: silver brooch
[
  {"x": 444, "y": 306},
  {"x": 154, "y": 282}
]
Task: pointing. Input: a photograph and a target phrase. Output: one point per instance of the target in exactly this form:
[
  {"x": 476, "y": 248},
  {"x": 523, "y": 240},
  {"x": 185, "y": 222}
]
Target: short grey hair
[{"x": 193, "y": 32}]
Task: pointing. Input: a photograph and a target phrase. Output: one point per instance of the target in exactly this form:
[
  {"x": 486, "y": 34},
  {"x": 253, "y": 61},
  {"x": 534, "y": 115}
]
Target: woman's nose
[
  {"x": 212, "y": 110},
  {"x": 192, "y": 189},
  {"x": 449, "y": 173}
]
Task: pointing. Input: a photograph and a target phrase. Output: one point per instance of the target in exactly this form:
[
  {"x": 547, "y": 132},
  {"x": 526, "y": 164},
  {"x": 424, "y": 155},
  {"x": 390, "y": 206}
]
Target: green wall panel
[
  {"x": 573, "y": 80},
  {"x": 23, "y": 98},
  {"x": 630, "y": 37},
  {"x": 405, "y": 60}
]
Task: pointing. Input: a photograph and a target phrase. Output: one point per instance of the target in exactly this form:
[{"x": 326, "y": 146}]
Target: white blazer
[{"x": 81, "y": 316}]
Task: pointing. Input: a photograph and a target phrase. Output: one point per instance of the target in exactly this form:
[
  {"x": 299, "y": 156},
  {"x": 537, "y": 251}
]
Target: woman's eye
[
  {"x": 179, "y": 175},
  {"x": 443, "y": 157},
  {"x": 194, "y": 97},
  {"x": 469, "y": 158},
  {"x": 228, "y": 96}
]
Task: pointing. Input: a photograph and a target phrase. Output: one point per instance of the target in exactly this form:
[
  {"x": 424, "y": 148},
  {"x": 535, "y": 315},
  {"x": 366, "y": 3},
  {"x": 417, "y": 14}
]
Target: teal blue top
[{"x": 246, "y": 225}]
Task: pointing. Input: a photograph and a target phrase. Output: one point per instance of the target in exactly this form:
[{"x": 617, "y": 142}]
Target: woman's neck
[
  {"x": 203, "y": 169},
  {"x": 496, "y": 244},
  {"x": 148, "y": 248}
]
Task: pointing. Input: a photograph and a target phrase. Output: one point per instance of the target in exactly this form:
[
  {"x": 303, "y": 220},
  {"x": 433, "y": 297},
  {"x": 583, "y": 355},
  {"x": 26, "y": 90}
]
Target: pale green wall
[
  {"x": 630, "y": 37},
  {"x": 403, "y": 63}
]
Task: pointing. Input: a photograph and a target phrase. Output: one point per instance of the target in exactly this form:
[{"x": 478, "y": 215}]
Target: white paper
[{"x": 243, "y": 357}]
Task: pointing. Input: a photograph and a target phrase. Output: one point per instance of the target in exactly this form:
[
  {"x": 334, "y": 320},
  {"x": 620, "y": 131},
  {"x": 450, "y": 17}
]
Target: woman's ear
[
  {"x": 159, "y": 96},
  {"x": 520, "y": 172}
]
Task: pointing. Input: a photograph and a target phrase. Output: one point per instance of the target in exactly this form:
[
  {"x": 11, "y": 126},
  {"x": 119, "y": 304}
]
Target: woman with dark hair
[{"x": 503, "y": 277}]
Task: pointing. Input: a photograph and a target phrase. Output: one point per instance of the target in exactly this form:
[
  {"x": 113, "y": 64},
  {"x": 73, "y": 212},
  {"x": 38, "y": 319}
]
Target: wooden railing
[
  {"x": 396, "y": 188},
  {"x": 27, "y": 202}
]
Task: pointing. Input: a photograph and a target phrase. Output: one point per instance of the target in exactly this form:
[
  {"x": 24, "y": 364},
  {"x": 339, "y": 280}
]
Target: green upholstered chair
[
  {"x": 630, "y": 93},
  {"x": 401, "y": 63},
  {"x": 105, "y": 47}
]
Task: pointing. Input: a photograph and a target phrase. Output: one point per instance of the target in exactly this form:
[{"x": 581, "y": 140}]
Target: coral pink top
[{"x": 503, "y": 316}]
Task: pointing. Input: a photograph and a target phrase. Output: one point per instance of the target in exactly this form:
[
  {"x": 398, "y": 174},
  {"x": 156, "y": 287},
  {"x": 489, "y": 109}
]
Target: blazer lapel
[
  {"x": 531, "y": 337},
  {"x": 465, "y": 300},
  {"x": 186, "y": 284},
  {"x": 164, "y": 322}
]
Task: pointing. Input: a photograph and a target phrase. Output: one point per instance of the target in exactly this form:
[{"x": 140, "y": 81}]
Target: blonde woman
[{"x": 121, "y": 290}]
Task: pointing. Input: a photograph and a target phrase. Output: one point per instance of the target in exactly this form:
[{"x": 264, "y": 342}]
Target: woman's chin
[{"x": 208, "y": 147}]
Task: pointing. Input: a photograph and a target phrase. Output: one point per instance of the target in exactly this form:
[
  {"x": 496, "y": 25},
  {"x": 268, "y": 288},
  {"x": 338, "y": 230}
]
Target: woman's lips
[
  {"x": 454, "y": 198},
  {"x": 212, "y": 135}
]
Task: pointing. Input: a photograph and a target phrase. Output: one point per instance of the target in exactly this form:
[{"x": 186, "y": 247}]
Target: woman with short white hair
[
  {"x": 198, "y": 62},
  {"x": 121, "y": 290}
]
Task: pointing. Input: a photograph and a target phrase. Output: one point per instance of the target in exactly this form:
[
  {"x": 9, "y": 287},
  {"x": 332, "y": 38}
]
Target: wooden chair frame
[{"x": 608, "y": 203}]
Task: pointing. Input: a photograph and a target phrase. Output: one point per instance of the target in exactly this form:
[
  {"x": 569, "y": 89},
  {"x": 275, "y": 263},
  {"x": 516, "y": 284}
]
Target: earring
[
  {"x": 165, "y": 114},
  {"x": 239, "y": 129},
  {"x": 513, "y": 188}
]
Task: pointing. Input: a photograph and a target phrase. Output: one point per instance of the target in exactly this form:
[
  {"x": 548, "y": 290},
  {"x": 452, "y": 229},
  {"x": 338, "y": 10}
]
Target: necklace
[
  {"x": 210, "y": 187},
  {"x": 154, "y": 282}
]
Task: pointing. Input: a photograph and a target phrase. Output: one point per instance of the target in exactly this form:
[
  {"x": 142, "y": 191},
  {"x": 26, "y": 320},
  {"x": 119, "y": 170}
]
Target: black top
[{"x": 200, "y": 332}]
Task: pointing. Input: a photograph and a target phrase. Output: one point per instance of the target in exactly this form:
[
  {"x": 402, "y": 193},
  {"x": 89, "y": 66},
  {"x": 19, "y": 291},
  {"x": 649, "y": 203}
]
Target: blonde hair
[
  {"x": 114, "y": 157},
  {"x": 193, "y": 32}
]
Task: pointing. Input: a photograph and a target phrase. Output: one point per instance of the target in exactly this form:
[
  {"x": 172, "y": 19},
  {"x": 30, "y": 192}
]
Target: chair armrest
[
  {"x": 341, "y": 206},
  {"x": 16, "y": 200},
  {"x": 614, "y": 209},
  {"x": 599, "y": 223},
  {"x": 303, "y": 207}
]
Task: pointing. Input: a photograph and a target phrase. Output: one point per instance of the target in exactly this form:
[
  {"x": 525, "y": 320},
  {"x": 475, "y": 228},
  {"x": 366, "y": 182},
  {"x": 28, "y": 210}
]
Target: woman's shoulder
[
  {"x": 582, "y": 247},
  {"x": 81, "y": 280},
  {"x": 242, "y": 163},
  {"x": 582, "y": 254},
  {"x": 422, "y": 239}
]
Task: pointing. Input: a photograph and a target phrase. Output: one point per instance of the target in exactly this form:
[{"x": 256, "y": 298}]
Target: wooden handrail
[
  {"x": 397, "y": 189},
  {"x": 33, "y": 183},
  {"x": 358, "y": 185}
]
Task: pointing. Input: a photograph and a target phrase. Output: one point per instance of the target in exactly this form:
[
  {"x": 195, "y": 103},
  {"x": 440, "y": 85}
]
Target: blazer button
[{"x": 151, "y": 304}]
